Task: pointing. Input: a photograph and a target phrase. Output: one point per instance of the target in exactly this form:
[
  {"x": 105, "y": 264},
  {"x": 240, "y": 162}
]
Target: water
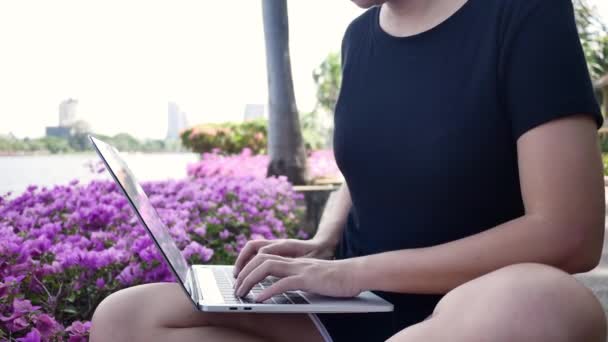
[{"x": 18, "y": 172}]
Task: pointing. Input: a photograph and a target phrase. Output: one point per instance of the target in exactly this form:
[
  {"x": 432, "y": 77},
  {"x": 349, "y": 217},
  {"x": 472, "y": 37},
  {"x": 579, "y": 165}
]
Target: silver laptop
[{"x": 210, "y": 288}]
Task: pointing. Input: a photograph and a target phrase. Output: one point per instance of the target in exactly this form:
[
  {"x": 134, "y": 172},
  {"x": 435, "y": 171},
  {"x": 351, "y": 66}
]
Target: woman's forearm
[
  {"x": 439, "y": 269},
  {"x": 334, "y": 217}
]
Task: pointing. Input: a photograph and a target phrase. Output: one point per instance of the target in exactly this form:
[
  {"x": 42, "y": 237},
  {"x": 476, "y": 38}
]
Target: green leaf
[
  {"x": 70, "y": 310},
  {"x": 71, "y": 298}
]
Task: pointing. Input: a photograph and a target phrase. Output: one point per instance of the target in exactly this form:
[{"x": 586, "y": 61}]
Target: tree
[
  {"x": 125, "y": 142},
  {"x": 285, "y": 144},
  {"x": 55, "y": 145},
  {"x": 328, "y": 77},
  {"x": 79, "y": 137},
  {"x": 594, "y": 38}
]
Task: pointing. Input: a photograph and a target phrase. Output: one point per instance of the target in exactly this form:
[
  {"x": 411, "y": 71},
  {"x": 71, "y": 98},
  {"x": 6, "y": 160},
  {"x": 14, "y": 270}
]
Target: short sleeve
[
  {"x": 344, "y": 47},
  {"x": 543, "y": 70},
  {"x": 346, "y": 42}
]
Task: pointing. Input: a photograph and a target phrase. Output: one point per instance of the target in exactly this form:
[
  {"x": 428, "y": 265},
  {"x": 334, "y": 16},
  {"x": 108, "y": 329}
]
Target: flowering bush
[
  {"x": 62, "y": 250},
  {"x": 227, "y": 137},
  {"x": 321, "y": 165}
]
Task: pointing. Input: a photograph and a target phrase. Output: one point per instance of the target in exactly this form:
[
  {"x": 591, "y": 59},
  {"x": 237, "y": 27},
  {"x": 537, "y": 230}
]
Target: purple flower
[
  {"x": 17, "y": 324},
  {"x": 78, "y": 331},
  {"x": 257, "y": 237},
  {"x": 224, "y": 234},
  {"x": 79, "y": 328},
  {"x": 100, "y": 283},
  {"x": 23, "y": 306},
  {"x": 130, "y": 274},
  {"x": 3, "y": 289},
  {"x": 229, "y": 248},
  {"x": 214, "y": 220},
  {"x": 224, "y": 210},
  {"x": 302, "y": 235},
  {"x": 46, "y": 325},
  {"x": 201, "y": 231},
  {"x": 32, "y": 336},
  {"x": 149, "y": 254},
  {"x": 195, "y": 249}
]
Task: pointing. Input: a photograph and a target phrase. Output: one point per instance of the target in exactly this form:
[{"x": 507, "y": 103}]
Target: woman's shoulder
[
  {"x": 512, "y": 17},
  {"x": 358, "y": 29},
  {"x": 524, "y": 8},
  {"x": 363, "y": 21}
]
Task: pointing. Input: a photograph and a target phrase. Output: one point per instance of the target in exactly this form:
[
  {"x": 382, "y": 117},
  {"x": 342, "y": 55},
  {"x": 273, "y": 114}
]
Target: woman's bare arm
[
  {"x": 563, "y": 192},
  {"x": 334, "y": 217}
]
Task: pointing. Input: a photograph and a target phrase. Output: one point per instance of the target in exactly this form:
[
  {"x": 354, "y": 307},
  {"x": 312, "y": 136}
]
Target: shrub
[
  {"x": 62, "y": 250},
  {"x": 603, "y": 136},
  {"x": 317, "y": 130},
  {"x": 321, "y": 165},
  {"x": 228, "y": 137}
]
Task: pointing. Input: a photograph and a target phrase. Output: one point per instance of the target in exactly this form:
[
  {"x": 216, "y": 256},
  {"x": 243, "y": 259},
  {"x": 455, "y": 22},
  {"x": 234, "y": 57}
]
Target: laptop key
[
  {"x": 296, "y": 298},
  {"x": 281, "y": 300},
  {"x": 299, "y": 300},
  {"x": 248, "y": 299}
]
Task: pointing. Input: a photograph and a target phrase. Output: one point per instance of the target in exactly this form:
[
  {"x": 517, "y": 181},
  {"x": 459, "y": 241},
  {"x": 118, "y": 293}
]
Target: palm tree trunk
[{"x": 285, "y": 144}]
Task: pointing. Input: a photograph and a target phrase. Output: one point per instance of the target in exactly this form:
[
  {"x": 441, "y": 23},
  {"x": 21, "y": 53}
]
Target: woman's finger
[
  {"x": 284, "y": 248},
  {"x": 274, "y": 268},
  {"x": 256, "y": 261},
  {"x": 281, "y": 286},
  {"x": 248, "y": 252}
]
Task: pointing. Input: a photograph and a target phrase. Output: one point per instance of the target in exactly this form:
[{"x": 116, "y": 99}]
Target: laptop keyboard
[{"x": 225, "y": 281}]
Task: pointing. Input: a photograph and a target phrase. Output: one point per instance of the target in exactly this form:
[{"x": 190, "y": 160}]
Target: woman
[{"x": 466, "y": 134}]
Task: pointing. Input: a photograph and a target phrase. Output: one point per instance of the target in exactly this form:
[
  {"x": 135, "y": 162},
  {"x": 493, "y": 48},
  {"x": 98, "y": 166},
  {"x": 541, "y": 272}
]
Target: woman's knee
[
  {"x": 529, "y": 302},
  {"x": 112, "y": 317},
  {"x": 124, "y": 314},
  {"x": 524, "y": 302}
]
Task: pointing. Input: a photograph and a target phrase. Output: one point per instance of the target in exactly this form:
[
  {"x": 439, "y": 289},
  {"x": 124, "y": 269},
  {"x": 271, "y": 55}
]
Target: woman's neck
[{"x": 402, "y": 18}]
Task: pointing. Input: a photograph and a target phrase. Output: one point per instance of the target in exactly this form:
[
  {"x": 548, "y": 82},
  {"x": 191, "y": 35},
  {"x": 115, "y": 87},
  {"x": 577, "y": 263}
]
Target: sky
[{"x": 125, "y": 60}]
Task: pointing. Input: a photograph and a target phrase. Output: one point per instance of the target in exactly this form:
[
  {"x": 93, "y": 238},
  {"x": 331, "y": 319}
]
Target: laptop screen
[{"x": 144, "y": 210}]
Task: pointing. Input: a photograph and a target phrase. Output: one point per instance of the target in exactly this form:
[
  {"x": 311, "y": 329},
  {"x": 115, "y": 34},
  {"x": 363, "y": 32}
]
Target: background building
[
  {"x": 68, "y": 116},
  {"x": 59, "y": 132},
  {"x": 68, "y": 112},
  {"x": 177, "y": 121}
]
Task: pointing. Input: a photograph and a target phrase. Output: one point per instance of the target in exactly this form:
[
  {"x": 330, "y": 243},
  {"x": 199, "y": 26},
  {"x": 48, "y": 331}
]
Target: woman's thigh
[
  {"x": 147, "y": 312},
  {"x": 526, "y": 302}
]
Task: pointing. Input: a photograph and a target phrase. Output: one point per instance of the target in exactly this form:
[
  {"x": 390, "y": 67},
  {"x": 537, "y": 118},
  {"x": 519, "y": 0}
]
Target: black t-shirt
[{"x": 426, "y": 129}]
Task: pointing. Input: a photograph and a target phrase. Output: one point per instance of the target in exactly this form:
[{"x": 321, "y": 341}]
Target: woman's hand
[
  {"x": 283, "y": 247},
  {"x": 335, "y": 278}
]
